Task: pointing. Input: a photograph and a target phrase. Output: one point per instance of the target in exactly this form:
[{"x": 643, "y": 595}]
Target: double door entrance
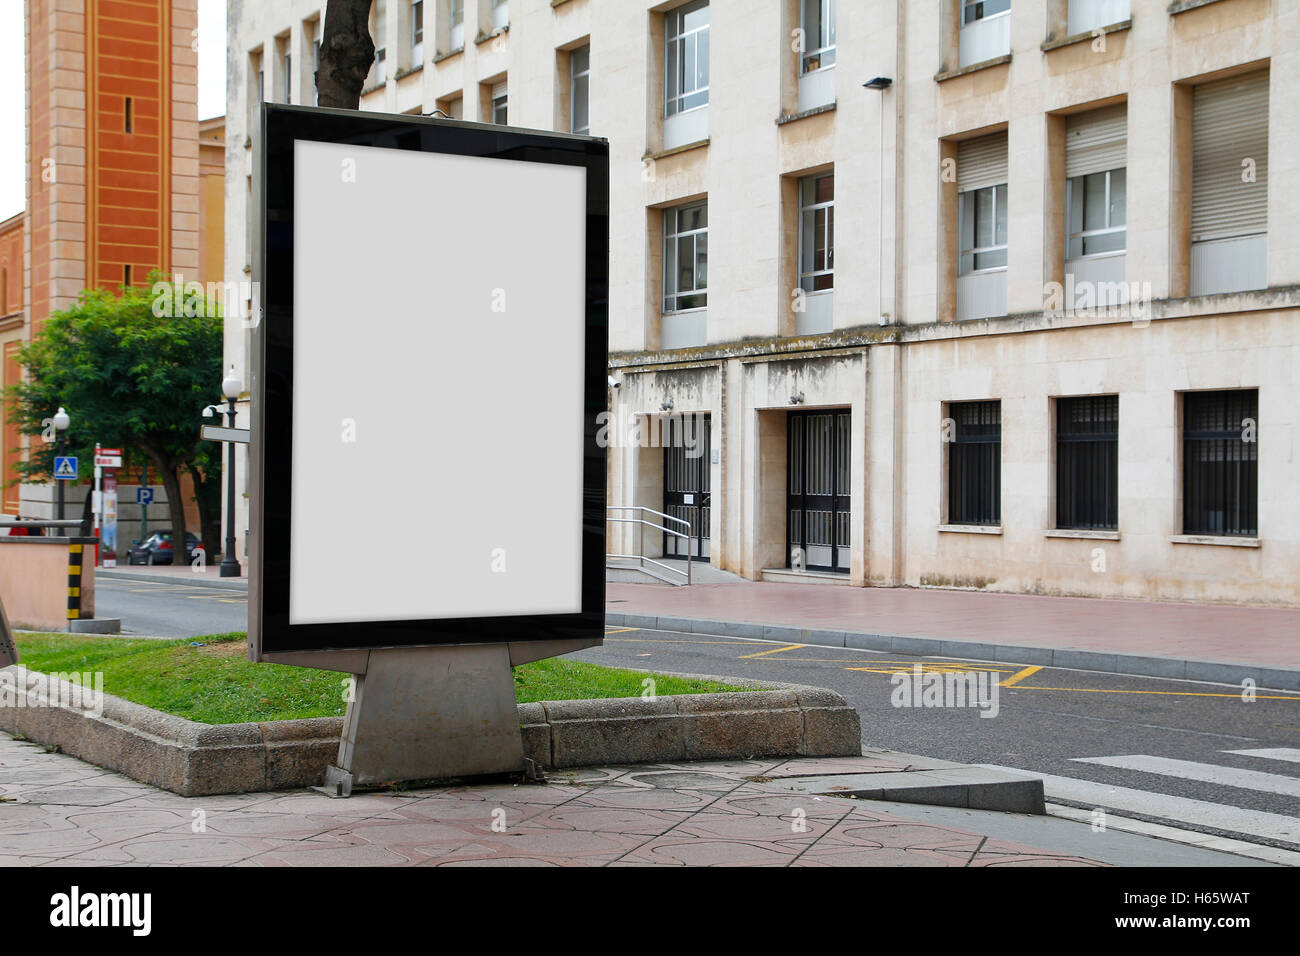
[
  {"x": 817, "y": 491},
  {"x": 687, "y": 455}
]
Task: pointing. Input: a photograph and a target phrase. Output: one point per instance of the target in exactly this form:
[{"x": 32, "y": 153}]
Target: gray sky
[{"x": 212, "y": 89}]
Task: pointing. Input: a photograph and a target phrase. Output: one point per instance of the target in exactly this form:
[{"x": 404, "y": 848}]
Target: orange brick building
[{"x": 114, "y": 185}]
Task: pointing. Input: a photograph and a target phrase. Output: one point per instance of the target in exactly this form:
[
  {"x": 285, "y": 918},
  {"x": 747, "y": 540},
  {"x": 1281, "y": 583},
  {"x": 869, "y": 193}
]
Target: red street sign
[{"x": 109, "y": 451}]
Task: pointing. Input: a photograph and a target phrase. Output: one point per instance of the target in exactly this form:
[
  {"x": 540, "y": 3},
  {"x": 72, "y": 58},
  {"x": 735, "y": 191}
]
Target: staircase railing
[{"x": 678, "y": 528}]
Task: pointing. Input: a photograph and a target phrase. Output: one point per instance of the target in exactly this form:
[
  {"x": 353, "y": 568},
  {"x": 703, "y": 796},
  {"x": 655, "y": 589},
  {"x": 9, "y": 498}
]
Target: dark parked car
[{"x": 158, "y": 549}]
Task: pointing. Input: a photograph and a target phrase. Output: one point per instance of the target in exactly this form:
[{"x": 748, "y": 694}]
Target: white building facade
[{"x": 975, "y": 293}]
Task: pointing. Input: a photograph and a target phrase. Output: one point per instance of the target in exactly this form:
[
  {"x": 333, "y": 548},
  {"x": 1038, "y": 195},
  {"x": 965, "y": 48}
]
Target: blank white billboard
[{"x": 438, "y": 339}]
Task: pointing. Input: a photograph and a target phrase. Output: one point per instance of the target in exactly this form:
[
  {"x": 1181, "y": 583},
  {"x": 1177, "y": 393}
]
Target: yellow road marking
[
  {"x": 775, "y": 650},
  {"x": 1018, "y": 677},
  {"x": 655, "y": 640},
  {"x": 1168, "y": 693},
  {"x": 886, "y": 668},
  {"x": 620, "y": 630}
]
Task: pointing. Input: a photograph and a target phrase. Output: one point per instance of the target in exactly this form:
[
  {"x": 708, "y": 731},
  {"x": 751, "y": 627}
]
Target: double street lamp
[{"x": 61, "y": 421}]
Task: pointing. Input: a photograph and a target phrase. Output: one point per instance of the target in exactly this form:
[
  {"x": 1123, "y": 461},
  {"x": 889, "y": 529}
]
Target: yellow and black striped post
[{"x": 74, "y": 582}]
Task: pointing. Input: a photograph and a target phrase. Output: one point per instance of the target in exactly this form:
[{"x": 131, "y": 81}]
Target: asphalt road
[
  {"x": 1168, "y": 746},
  {"x": 1174, "y": 737},
  {"x": 149, "y": 609}
]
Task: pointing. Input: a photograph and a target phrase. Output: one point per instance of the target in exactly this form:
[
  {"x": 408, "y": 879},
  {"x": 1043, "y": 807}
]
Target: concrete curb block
[
  {"x": 194, "y": 759},
  {"x": 1223, "y": 672}
]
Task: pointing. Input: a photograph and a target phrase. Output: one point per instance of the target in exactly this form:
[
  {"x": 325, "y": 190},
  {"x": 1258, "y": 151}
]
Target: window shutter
[
  {"x": 1229, "y": 125},
  {"x": 982, "y": 162},
  {"x": 1097, "y": 141}
]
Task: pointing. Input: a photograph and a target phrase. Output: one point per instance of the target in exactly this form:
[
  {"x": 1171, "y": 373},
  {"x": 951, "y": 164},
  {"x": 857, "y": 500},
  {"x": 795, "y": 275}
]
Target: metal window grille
[
  {"x": 1087, "y": 462},
  {"x": 1221, "y": 462},
  {"x": 975, "y": 464}
]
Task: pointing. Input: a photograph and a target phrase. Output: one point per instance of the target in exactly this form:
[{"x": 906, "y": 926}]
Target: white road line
[
  {"x": 1270, "y": 753},
  {"x": 1273, "y": 826},
  {"x": 1204, "y": 772}
]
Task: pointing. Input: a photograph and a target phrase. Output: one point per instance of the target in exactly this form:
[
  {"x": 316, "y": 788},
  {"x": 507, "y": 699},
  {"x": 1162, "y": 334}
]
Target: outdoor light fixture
[
  {"x": 796, "y": 398},
  {"x": 614, "y": 383},
  {"x": 879, "y": 83},
  {"x": 666, "y": 406},
  {"x": 60, "y": 421},
  {"x": 231, "y": 386}
]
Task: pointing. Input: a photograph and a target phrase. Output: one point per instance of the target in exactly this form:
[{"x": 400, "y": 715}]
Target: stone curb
[
  {"x": 1223, "y": 672},
  {"x": 195, "y": 759},
  {"x": 206, "y": 579}
]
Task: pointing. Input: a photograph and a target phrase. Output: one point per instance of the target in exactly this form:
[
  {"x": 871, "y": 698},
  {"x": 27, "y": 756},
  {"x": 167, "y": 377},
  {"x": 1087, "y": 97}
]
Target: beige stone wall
[{"x": 895, "y": 354}]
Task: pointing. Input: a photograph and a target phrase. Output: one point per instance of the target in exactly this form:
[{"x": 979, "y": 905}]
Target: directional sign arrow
[{"x": 222, "y": 433}]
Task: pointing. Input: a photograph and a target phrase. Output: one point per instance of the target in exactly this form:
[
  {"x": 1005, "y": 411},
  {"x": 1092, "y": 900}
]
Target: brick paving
[
  {"x": 1259, "y": 636},
  {"x": 58, "y": 811}
]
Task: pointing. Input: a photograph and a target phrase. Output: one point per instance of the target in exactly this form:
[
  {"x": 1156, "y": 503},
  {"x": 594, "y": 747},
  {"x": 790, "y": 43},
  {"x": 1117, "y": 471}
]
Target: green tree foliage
[{"x": 133, "y": 371}]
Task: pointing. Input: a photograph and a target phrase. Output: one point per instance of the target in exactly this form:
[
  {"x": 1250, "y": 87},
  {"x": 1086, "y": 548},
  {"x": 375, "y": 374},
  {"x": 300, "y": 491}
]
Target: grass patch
[{"x": 215, "y": 683}]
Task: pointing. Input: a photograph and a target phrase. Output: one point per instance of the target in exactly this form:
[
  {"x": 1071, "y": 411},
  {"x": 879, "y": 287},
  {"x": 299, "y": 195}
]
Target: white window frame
[
  {"x": 977, "y": 8},
  {"x": 583, "y": 75},
  {"x": 967, "y": 204},
  {"x": 1074, "y": 229},
  {"x": 500, "y": 101},
  {"x": 500, "y": 14},
  {"x": 672, "y": 216},
  {"x": 824, "y": 50},
  {"x": 675, "y": 36},
  {"x": 456, "y": 20},
  {"x": 417, "y": 33},
  {"x": 809, "y": 210}
]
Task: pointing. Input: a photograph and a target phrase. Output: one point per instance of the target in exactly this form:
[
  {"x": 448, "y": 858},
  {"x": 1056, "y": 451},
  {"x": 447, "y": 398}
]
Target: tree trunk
[
  {"x": 346, "y": 52},
  {"x": 207, "y": 495},
  {"x": 176, "y": 509}
]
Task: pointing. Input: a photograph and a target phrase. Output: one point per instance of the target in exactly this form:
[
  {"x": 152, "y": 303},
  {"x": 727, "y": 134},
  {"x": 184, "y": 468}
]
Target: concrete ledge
[
  {"x": 95, "y": 625},
  {"x": 204, "y": 579},
  {"x": 1226, "y": 672},
  {"x": 195, "y": 759}
]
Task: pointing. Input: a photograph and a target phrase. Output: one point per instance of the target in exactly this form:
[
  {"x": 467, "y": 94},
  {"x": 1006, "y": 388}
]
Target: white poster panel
[{"x": 439, "y": 309}]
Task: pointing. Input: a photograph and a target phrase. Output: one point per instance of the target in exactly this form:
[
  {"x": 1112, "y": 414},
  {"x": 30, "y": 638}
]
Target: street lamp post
[
  {"x": 231, "y": 388},
  {"x": 61, "y": 422}
]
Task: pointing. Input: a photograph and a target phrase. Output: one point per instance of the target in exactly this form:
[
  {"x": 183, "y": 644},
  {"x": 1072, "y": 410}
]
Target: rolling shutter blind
[
  {"x": 982, "y": 162},
  {"x": 1229, "y": 125},
  {"x": 1096, "y": 142}
]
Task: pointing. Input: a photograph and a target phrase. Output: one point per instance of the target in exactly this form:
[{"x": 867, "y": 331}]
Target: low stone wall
[
  {"x": 194, "y": 759},
  {"x": 34, "y": 580}
]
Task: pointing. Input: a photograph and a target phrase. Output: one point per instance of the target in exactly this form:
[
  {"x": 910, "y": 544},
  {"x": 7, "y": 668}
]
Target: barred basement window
[
  {"x": 1221, "y": 462},
  {"x": 1087, "y": 462},
  {"x": 975, "y": 463}
]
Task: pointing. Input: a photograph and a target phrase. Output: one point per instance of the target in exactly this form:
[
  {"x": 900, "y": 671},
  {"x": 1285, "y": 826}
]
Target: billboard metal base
[{"x": 429, "y": 713}]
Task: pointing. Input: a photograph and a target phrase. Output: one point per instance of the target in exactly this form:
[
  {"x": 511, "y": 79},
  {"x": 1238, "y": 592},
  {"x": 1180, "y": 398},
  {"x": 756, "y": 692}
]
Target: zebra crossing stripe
[
  {"x": 1204, "y": 772},
  {"x": 1288, "y": 754},
  {"x": 1195, "y": 813}
]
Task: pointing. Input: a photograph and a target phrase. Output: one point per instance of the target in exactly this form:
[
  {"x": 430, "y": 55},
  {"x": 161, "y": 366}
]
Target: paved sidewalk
[
  {"x": 1259, "y": 637},
  {"x": 208, "y": 575},
  {"x": 57, "y": 811}
]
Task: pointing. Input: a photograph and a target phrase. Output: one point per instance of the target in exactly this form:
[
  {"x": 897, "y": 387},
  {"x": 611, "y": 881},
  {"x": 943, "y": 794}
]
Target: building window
[
  {"x": 1087, "y": 462},
  {"x": 1096, "y": 213},
  {"x": 456, "y": 17},
  {"x": 580, "y": 90},
  {"x": 126, "y": 115},
  {"x": 417, "y": 33},
  {"x": 126, "y": 275},
  {"x": 974, "y": 10},
  {"x": 286, "y": 66},
  {"x": 686, "y": 63},
  {"x": 982, "y": 216},
  {"x": 500, "y": 14},
  {"x": 686, "y": 257},
  {"x": 1230, "y": 185},
  {"x": 817, "y": 20},
  {"x": 380, "y": 34},
  {"x": 1085, "y": 16},
  {"x": 1221, "y": 462},
  {"x": 817, "y": 233},
  {"x": 499, "y": 112},
  {"x": 975, "y": 463},
  {"x": 315, "y": 61}
]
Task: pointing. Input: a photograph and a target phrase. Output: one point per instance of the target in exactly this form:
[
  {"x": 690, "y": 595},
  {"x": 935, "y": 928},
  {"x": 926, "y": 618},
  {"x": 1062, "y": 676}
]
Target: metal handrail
[{"x": 640, "y": 557}]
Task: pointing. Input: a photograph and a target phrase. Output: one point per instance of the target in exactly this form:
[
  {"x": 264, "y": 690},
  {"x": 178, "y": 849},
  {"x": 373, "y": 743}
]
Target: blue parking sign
[
  {"x": 65, "y": 468},
  {"x": 144, "y": 496}
]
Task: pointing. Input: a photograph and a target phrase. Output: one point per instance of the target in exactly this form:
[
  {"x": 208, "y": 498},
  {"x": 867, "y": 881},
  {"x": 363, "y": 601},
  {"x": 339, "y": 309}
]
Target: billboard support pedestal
[{"x": 429, "y": 713}]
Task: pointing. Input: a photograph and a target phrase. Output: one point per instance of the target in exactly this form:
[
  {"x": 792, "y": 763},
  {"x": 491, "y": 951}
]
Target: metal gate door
[
  {"x": 687, "y": 455},
  {"x": 817, "y": 530}
]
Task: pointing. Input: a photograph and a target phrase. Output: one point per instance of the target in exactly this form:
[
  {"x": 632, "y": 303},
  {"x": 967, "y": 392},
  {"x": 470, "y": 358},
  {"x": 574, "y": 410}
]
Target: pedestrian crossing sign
[{"x": 65, "y": 468}]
